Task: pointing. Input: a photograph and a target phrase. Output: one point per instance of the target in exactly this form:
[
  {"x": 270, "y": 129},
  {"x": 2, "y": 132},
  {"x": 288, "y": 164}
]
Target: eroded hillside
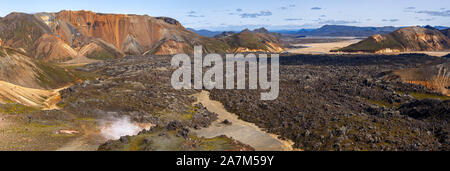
[{"x": 68, "y": 35}]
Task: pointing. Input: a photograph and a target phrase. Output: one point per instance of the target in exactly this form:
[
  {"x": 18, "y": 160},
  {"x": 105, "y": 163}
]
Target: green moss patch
[
  {"x": 160, "y": 139},
  {"x": 103, "y": 55},
  {"x": 421, "y": 96},
  {"x": 53, "y": 76},
  {"x": 16, "y": 109}
]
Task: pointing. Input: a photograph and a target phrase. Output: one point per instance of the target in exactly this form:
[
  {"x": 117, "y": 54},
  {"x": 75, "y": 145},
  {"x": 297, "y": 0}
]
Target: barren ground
[{"x": 240, "y": 130}]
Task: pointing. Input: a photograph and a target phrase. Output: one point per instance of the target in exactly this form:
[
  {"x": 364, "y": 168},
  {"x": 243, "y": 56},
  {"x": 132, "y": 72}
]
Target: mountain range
[
  {"x": 206, "y": 33},
  {"x": 402, "y": 40},
  {"x": 327, "y": 30},
  {"x": 347, "y": 31},
  {"x": 68, "y": 35}
]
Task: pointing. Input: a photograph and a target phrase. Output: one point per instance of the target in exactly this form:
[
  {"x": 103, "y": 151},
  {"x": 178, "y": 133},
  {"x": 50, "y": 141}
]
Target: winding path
[{"x": 245, "y": 132}]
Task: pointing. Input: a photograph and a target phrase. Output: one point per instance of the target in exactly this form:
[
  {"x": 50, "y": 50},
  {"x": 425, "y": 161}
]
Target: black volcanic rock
[
  {"x": 345, "y": 102},
  {"x": 422, "y": 109}
]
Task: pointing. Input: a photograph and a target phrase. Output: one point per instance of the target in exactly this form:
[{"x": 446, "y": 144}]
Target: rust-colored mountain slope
[{"x": 67, "y": 35}]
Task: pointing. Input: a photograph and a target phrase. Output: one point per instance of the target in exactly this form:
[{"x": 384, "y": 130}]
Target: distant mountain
[
  {"x": 349, "y": 31},
  {"x": 261, "y": 30},
  {"x": 224, "y": 34},
  {"x": 441, "y": 27},
  {"x": 206, "y": 33},
  {"x": 405, "y": 39},
  {"x": 292, "y": 32},
  {"x": 258, "y": 40},
  {"x": 265, "y": 31},
  {"x": 436, "y": 27}
]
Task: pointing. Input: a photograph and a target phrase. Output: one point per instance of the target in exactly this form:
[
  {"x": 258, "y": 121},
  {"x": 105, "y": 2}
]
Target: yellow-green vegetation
[
  {"x": 102, "y": 55},
  {"x": 15, "y": 108},
  {"x": 53, "y": 76},
  {"x": 190, "y": 113},
  {"x": 81, "y": 74},
  {"x": 159, "y": 139},
  {"x": 61, "y": 105},
  {"x": 35, "y": 135},
  {"x": 216, "y": 143},
  {"x": 400, "y": 93},
  {"x": 214, "y": 45},
  {"x": 421, "y": 96},
  {"x": 383, "y": 103},
  {"x": 45, "y": 130},
  {"x": 246, "y": 39},
  {"x": 87, "y": 119}
]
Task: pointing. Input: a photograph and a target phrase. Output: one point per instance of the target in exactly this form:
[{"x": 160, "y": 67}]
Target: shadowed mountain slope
[{"x": 18, "y": 69}]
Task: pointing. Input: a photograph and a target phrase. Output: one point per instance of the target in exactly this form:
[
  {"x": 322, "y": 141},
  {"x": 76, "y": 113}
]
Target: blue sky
[{"x": 273, "y": 14}]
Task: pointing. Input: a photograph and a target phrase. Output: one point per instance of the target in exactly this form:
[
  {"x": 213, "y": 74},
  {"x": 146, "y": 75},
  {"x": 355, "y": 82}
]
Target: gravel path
[{"x": 245, "y": 132}]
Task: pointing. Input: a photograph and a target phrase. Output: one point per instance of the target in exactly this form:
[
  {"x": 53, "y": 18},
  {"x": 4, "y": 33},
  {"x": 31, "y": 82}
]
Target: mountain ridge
[
  {"x": 67, "y": 35},
  {"x": 403, "y": 40}
]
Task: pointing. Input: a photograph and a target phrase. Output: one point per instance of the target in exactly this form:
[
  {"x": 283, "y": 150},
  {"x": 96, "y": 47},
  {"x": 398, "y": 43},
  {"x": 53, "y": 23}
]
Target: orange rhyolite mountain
[{"x": 67, "y": 35}]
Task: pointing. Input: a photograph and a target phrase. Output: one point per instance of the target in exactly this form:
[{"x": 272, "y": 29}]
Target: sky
[{"x": 236, "y": 15}]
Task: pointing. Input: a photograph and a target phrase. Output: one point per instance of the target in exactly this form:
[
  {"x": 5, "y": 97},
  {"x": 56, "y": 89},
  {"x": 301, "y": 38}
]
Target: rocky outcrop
[
  {"x": 427, "y": 108},
  {"x": 403, "y": 40}
]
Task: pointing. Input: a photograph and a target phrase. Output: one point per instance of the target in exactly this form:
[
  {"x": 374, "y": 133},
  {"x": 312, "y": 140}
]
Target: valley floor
[
  {"x": 324, "y": 45},
  {"x": 326, "y": 102},
  {"x": 320, "y": 48}
]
